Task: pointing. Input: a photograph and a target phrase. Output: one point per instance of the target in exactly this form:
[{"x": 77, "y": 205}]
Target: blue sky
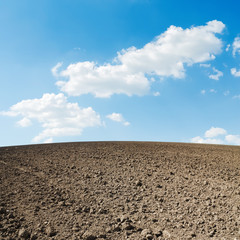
[{"x": 96, "y": 70}]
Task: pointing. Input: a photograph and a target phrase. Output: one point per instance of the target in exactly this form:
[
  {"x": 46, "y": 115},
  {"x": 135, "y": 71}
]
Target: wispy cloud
[
  {"x": 236, "y": 97},
  {"x": 228, "y": 47},
  {"x": 213, "y": 91},
  {"x": 205, "y": 65},
  {"x": 226, "y": 93},
  {"x": 204, "y": 91},
  {"x": 217, "y": 74},
  {"x": 156, "y": 94},
  {"x": 55, "y": 69}
]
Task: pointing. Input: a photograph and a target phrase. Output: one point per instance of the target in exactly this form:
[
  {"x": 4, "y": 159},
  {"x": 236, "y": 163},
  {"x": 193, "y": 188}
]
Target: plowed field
[{"x": 120, "y": 190}]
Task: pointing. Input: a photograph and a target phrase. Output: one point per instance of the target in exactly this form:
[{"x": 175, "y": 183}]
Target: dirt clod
[
  {"x": 24, "y": 233},
  {"x": 50, "y": 231}
]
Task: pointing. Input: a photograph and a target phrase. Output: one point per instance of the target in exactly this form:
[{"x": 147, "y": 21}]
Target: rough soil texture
[{"x": 120, "y": 190}]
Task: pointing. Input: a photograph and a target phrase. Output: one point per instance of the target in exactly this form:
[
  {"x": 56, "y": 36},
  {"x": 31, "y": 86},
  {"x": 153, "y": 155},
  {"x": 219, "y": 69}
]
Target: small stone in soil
[
  {"x": 50, "y": 231},
  {"x": 24, "y": 233}
]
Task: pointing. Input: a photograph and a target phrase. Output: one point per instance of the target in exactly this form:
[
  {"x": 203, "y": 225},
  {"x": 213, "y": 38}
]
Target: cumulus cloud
[
  {"x": 236, "y": 46},
  {"x": 214, "y": 132},
  {"x": 102, "y": 81},
  {"x": 25, "y": 122},
  {"x": 217, "y": 135},
  {"x": 117, "y": 117},
  {"x": 217, "y": 74},
  {"x": 235, "y": 73},
  {"x": 203, "y": 91},
  {"x": 57, "y": 116},
  {"x": 233, "y": 139},
  {"x": 132, "y": 70}
]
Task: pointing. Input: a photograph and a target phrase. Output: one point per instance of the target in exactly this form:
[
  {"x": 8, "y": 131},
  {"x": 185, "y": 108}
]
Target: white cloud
[
  {"x": 217, "y": 74},
  {"x": 49, "y": 140},
  {"x": 203, "y": 92},
  {"x": 117, "y": 117},
  {"x": 213, "y": 91},
  {"x": 55, "y": 69},
  {"x": 102, "y": 81},
  {"x": 236, "y": 46},
  {"x": 205, "y": 65},
  {"x": 235, "y": 73},
  {"x": 156, "y": 94},
  {"x": 166, "y": 56},
  {"x": 228, "y": 47},
  {"x": 206, "y": 140},
  {"x": 233, "y": 139},
  {"x": 217, "y": 136},
  {"x": 25, "y": 122},
  {"x": 214, "y": 132},
  {"x": 57, "y": 116}
]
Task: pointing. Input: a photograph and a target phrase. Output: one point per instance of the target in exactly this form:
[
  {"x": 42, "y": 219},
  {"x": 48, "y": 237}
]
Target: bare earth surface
[{"x": 120, "y": 190}]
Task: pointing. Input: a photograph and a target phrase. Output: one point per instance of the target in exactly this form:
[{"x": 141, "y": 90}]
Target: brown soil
[{"x": 120, "y": 190}]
